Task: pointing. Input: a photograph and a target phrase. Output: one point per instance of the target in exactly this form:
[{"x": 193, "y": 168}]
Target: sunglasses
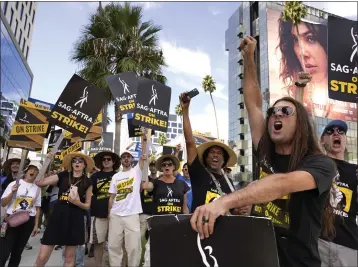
[
  {"x": 78, "y": 160},
  {"x": 165, "y": 164},
  {"x": 107, "y": 159},
  {"x": 286, "y": 111},
  {"x": 185, "y": 169},
  {"x": 338, "y": 130}
]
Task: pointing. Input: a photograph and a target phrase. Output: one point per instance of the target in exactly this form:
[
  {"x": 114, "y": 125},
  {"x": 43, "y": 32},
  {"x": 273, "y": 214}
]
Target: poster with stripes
[
  {"x": 30, "y": 126},
  {"x": 66, "y": 146},
  {"x": 94, "y": 133}
]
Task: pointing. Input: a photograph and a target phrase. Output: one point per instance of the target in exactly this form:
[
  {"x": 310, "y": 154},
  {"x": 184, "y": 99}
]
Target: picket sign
[
  {"x": 148, "y": 133},
  {"x": 48, "y": 160},
  {"x": 24, "y": 154}
]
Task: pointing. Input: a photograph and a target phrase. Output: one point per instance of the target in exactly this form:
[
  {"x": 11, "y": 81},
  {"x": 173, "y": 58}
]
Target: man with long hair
[
  {"x": 342, "y": 250},
  {"x": 296, "y": 177}
]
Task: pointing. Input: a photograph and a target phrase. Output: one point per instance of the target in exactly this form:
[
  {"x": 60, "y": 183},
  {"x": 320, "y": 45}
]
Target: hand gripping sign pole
[
  {"x": 48, "y": 159},
  {"x": 147, "y": 136}
]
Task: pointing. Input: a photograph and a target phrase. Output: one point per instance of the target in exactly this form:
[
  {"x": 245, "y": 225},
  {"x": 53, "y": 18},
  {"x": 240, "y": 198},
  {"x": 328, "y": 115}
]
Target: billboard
[{"x": 285, "y": 62}]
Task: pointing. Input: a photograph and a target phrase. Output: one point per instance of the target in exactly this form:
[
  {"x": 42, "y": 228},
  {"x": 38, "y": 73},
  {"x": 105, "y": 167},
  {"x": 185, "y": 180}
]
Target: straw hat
[
  {"x": 67, "y": 161},
  {"x": 98, "y": 159},
  {"x": 158, "y": 163},
  {"x": 203, "y": 147}
]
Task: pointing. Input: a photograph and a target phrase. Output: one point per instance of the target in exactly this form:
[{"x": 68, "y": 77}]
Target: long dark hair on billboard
[
  {"x": 290, "y": 64},
  {"x": 305, "y": 143}
]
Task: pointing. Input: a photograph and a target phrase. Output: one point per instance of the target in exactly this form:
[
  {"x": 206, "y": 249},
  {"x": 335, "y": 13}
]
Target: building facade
[
  {"x": 16, "y": 76},
  {"x": 251, "y": 19},
  {"x": 21, "y": 17}
]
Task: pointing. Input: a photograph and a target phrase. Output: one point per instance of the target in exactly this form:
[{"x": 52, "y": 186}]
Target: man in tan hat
[{"x": 206, "y": 163}]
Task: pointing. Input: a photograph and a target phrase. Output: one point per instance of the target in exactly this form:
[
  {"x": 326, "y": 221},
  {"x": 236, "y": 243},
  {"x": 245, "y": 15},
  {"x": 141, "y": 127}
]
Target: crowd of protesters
[{"x": 104, "y": 201}]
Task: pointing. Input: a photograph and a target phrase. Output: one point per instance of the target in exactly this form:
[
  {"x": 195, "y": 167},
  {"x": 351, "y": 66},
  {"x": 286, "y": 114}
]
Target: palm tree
[
  {"x": 116, "y": 41},
  {"x": 162, "y": 139},
  {"x": 179, "y": 112},
  {"x": 209, "y": 86}
]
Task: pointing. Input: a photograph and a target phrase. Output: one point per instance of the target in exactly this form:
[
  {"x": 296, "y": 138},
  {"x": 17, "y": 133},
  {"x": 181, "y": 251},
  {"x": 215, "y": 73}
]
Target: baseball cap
[
  {"x": 336, "y": 123},
  {"x": 127, "y": 152}
]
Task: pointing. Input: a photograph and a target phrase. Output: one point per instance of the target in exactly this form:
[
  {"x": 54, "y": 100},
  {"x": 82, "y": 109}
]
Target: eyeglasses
[
  {"x": 338, "y": 130},
  {"x": 78, "y": 160},
  {"x": 286, "y": 111},
  {"x": 107, "y": 159},
  {"x": 165, "y": 164}
]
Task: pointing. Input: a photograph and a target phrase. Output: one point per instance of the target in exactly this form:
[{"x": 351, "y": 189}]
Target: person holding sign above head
[
  {"x": 296, "y": 176},
  {"x": 108, "y": 163},
  {"x": 124, "y": 207},
  {"x": 18, "y": 198},
  {"x": 66, "y": 226},
  {"x": 169, "y": 193},
  {"x": 206, "y": 162}
]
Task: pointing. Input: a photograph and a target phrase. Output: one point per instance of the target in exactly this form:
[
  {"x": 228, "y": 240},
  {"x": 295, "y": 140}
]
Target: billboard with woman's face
[{"x": 285, "y": 62}]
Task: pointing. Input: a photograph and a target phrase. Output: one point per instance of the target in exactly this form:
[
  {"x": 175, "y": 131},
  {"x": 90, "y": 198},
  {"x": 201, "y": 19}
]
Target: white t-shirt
[
  {"x": 25, "y": 196},
  {"x": 126, "y": 186}
]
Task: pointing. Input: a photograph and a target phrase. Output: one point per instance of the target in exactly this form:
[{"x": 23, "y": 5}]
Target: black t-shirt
[
  {"x": 298, "y": 216},
  {"x": 99, "y": 203},
  {"x": 202, "y": 185},
  {"x": 64, "y": 187},
  {"x": 169, "y": 197},
  {"x": 147, "y": 200},
  {"x": 345, "y": 205}
]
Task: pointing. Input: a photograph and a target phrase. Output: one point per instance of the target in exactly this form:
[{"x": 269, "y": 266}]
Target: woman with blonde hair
[{"x": 66, "y": 225}]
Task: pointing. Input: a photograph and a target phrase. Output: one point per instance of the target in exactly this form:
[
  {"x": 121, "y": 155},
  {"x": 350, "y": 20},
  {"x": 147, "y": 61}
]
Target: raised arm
[
  {"x": 188, "y": 134},
  {"x": 51, "y": 180},
  {"x": 144, "y": 151},
  {"x": 252, "y": 92}
]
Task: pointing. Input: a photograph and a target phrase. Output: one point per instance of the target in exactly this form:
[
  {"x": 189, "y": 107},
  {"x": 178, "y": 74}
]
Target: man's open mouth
[{"x": 336, "y": 142}]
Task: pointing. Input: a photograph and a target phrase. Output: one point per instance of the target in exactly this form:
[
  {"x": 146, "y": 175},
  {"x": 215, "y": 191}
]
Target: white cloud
[
  {"x": 205, "y": 121},
  {"x": 343, "y": 9},
  {"x": 214, "y": 10},
  {"x": 150, "y": 5},
  {"x": 221, "y": 74},
  {"x": 186, "y": 61}
]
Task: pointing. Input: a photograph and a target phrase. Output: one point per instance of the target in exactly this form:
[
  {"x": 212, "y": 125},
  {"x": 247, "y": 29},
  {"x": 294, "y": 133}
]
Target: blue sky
[{"x": 192, "y": 38}]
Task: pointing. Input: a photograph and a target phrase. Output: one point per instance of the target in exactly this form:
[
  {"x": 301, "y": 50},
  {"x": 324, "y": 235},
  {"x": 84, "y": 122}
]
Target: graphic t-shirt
[
  {"x": 169, "y": 197},
  {"x": 126, "y": 187},
  {"x": 64, "y": 188},
  {"x": 99, "y": 204},
  {"x": 345, "y": 205},
  {"x": 147, "y": 200},
  {"x": 202, "y": 185},
  {"x": 25, "y": 197},
  {"x": 298, "y": 217},
  {"x": 189, "y": 194}
]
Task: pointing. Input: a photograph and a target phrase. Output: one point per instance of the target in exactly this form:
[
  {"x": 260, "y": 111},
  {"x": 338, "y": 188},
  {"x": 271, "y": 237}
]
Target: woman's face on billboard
[{"x": 314, "y": 55}]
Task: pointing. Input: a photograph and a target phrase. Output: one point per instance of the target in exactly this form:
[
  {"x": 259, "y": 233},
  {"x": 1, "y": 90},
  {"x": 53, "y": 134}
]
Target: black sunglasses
[
  {"x": 165, "y": 164},
  {"x": 338, "y": 130},
  {"x": 78, "y": 160},
  {"x": 286, "y": 111},
  {"x": 107, "y": 159}
]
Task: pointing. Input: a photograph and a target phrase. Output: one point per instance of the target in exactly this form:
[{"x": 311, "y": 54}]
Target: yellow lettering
[
  {"x": 72, "y": 123},
  {"x": 19, "y": 129},
  {"x": 344, "y": 87},
  {"x": 150, "y": 120}
]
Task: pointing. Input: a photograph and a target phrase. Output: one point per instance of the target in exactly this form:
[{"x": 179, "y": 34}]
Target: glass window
[
  {"x": 16, "y": 26},
  {"x": 20, "y": 36},
  {"x": 17, "y": 5},
  {"x": 174, "y": 130},
  {"x": 23, "y": 46},
  {"x": 11, "y": 16},
  {"x": 180, "y": 131},
  {"x": 22, "y": 11},
  {"x": 4, "y": 8},
  {"x": 27, "y": 52},
  {"x": 28, "y": 31},
  {"x": 180, "y": 125},
  {"x": 173, "y": 136},
  {"x": 33, "y": 17},
  {"x": 174, "y": 124},
  {"x": 25, "y": 24},
  {"x": 30, "y": 8}
]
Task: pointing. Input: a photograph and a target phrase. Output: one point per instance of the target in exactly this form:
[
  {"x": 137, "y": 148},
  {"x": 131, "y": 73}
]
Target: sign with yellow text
[
  {"x": 343, "y": 59},
  {"x": 133, "y": 130},
  {"x": 123, "y": 87},
  {"x": 30, "y": 126},
  {"x": 94, "y": 133},
  {"x": 78, "y": 106},
  {"x": 152, "y": 106}
]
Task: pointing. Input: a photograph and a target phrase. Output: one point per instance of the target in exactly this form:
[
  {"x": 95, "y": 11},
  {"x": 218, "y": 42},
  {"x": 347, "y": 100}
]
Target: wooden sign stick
[
  {"x": 24, "y": 154},
  {"x": 148, "y": 134}
]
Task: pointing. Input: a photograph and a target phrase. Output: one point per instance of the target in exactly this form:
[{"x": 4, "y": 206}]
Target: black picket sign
[
  {"x": 342, "y": 59},
  {"x": 133, "y": 130},
  {"x": 152, "y": 105},
  {"x": 123, "y": 87},
  {"x": 106, "y": 144},
  {"x": 237, "y": 241},
  {"x": 78, "y": 106},
  {"x": 170, "y": 150}
]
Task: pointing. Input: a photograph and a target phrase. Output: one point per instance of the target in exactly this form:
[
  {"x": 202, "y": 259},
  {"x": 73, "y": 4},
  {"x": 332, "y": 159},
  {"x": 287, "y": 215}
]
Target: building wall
[
  {"x": 16, "y": 76},
  {"x": 21, "y": 17}
]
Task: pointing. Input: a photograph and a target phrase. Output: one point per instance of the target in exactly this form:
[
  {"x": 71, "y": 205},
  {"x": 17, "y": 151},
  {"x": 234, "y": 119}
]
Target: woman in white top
[{"x": 23, "y": 196}]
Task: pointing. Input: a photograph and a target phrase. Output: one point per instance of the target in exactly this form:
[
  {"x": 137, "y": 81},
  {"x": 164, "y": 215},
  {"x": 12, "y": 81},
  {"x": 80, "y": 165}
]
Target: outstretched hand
[
  {"x": 248, "y": 46},
  {"x": 304, "y": 78},
  {"x": 184, "y": 97}
]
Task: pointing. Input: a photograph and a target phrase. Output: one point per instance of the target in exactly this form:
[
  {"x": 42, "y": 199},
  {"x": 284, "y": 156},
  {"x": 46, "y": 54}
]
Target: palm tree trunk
[
  {"x": 104, "y": 118},
  {"x": 118, "y": 121},
  {"x": 216, "y": 118}
]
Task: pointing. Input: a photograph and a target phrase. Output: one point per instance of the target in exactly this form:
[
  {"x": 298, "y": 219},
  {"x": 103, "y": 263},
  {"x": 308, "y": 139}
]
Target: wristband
[{"x": 300, "y": 84}]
